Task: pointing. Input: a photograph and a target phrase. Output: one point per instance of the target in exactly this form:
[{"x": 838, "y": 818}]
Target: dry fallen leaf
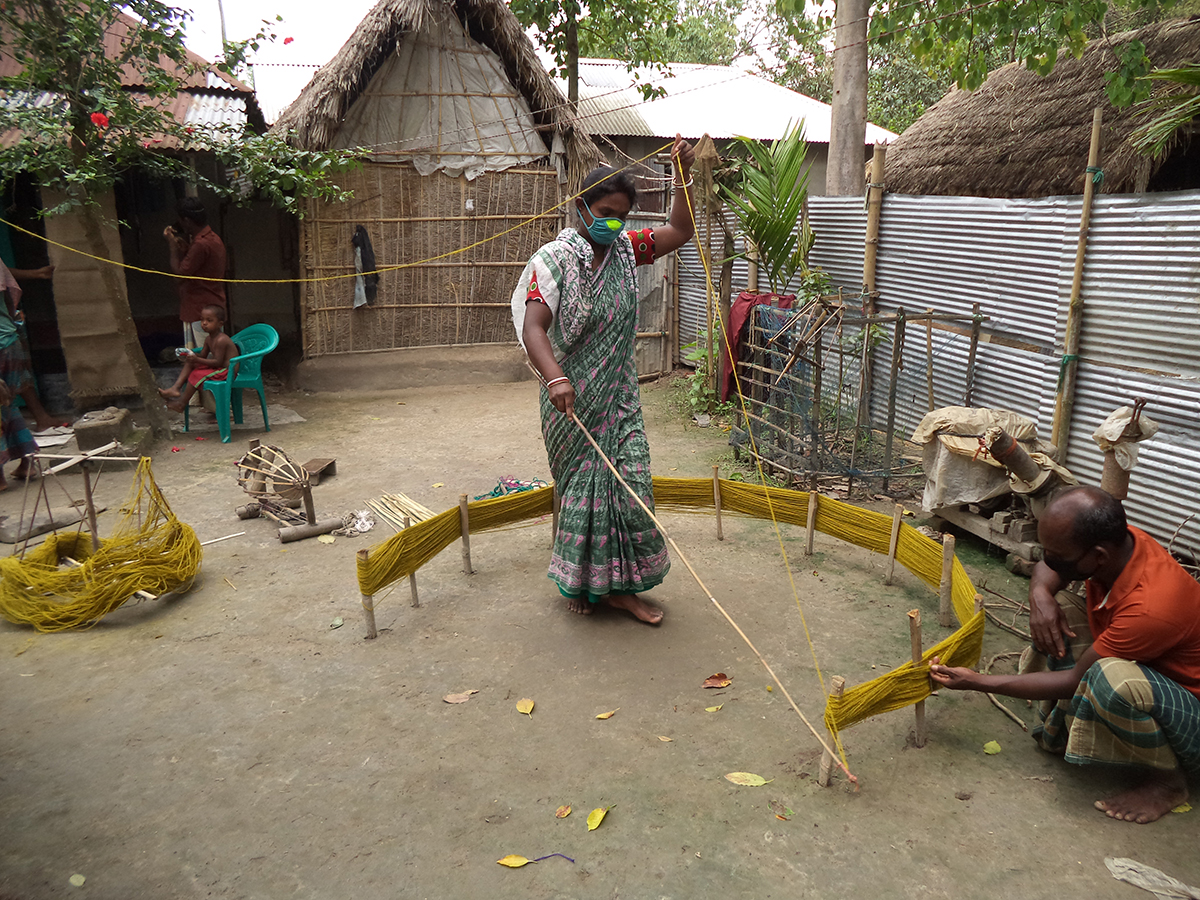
[
  {"x": 991, "y": 748},
  {"x": 459, "y": 698},
  {"x": 665, "y": 739},
  {"x": 720, "y": 680},
  {"x": 596, "y": 816},
  {"x": 76, "y": 880},
  {"x": 747, "y": 779},
  {"x": 438, "y": 484},
  {"x": 513, "y": 861},
  {"x": 326, "y": 538},
  {"x": 713, "y": 708},
  {"x": 609, "y": 714},
  {"x": 562, "y": 812},
  {"x": 525, "y": 706}
]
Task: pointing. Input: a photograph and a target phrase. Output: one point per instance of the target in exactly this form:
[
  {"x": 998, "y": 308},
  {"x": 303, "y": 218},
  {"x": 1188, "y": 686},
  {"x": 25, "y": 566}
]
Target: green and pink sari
[{"x": 606, "y": 544}]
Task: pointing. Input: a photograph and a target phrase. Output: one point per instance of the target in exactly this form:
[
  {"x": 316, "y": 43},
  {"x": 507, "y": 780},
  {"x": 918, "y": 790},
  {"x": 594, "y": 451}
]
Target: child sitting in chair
[{"x": 211, "y": 363}]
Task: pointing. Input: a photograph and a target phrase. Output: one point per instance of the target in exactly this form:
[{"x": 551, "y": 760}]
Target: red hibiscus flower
[
  {"x": 100, "y": 120},
  {"x": 287, "y": 41}
]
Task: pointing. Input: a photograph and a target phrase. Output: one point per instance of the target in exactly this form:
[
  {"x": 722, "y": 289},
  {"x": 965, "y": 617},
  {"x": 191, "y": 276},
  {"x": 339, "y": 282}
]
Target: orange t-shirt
[{"x": 1151, "y": 615}]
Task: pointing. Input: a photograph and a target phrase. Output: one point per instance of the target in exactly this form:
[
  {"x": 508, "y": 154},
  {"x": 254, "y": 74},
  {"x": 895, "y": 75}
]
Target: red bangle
[{"x": 558, "y": 380}]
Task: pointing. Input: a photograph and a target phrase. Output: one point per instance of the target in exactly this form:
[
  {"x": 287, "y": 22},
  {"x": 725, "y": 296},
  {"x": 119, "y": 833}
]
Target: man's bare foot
[
  {"x": 652, "y": 615},
  {"x": 169, "y": 393},
  {"x": 580, "y": 605},
  {"x": 1160, "y": 793},
  {"x": 176, "y": 406}
]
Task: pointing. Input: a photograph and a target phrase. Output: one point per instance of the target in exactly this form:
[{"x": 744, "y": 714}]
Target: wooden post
[
  {"x": 368, "y": 603},
  {"x": 837, "y": 684},
  {"x": 892, "y": 542},
  {"x": 1061, "y": 430},
  {"x": 874, "y": 209},
  {"x": 310, "y": 512},
  {"x": 705, "y": 162},
  {"x": 466, "y": 534},
  {"x": 814, "y": 414},
  {"x": 945, "y": 588},
  {"x": 717, "y": 500},
  {"x": 978, "y": 604},
  {"x": 897, "y": 360},
  {"x": 812, "y": 522},
  {"x": 554, "y": 516},
  {"x": 914, "y": 631},
  {"x": 412, "y": 576},
  {"x": 258, "y": 480},
  {"x": 91, "y": 507},
  {"x": 976, "y": 320},
  {"x": 929, "y": 357}
]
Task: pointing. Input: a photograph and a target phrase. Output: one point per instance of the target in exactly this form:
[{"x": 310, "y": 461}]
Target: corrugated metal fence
[{"x": 1141, "y": 325}]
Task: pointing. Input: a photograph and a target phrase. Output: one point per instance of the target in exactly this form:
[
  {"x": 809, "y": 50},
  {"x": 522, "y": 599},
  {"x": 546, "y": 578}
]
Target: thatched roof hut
[
  {"x": 316, "y": 119},
  {"x": 1024, "y": 135},
  {"x": 472, "y": 149}
]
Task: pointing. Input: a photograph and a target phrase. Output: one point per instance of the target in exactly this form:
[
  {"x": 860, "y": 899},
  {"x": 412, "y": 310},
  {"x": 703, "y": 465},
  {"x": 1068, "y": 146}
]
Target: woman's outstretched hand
[{"x": 683, "y": 156}]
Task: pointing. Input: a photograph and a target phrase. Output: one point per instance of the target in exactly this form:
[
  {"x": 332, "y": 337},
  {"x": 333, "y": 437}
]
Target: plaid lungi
[
  {"x": 15, "y": 440},
  {"x": 15, "y": 367},
  {"x": 1124, "y": 713}
]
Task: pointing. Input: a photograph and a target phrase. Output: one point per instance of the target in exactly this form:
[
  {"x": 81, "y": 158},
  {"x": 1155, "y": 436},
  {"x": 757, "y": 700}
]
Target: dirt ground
[{"x": 232, "y": 744}]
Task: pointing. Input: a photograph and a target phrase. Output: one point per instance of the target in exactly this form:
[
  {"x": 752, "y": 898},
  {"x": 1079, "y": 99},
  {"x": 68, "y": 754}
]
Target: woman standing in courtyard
[{"x": 575, "y": 311}]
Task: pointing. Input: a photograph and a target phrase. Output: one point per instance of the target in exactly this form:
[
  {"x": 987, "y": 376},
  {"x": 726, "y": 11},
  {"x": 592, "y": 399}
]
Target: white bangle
[
  {"x": 684, "y": 184},
  {"x": 559, "y": 380}
]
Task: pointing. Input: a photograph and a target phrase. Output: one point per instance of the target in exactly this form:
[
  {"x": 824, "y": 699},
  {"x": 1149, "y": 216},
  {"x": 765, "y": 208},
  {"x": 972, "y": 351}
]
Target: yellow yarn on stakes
[
  {"x": 407, "y": 551},
  {"x": 149, "y": 550}
]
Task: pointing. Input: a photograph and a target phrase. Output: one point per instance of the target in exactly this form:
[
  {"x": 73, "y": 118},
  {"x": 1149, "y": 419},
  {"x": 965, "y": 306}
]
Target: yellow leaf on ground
[
  {"x": 525, "y": 706},
  {"x": 665, "y": 739},
  {"x": 459, "y": 698},
  {"x": 513, "y": 861},
  {"x": 1182, "y": 808},
  {"x": 438, "y": 484},
  {"x": 324, "y": 539},
  {"x": 609, "y": 714},
  {"x": 562, "y": 812},
  {"x": 991, "y": 748},
  {"x": 76, "y": 880},
  {"x": 748, "y": 779},
  {"x": 596, "y": 816},
  {"x": 713, "y": 708}
]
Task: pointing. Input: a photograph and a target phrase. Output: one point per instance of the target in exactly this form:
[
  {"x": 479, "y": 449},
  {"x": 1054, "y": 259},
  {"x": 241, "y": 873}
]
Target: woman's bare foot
[
  {"x": 580, "y": 605},
  {"x": 169, "y": 393},
  {"x": 651, "y": 615},
  {"x": 1160, "y": 793}
]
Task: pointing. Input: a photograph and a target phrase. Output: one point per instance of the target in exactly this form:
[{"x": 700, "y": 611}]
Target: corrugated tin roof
[{"x": 723, "y": 101}]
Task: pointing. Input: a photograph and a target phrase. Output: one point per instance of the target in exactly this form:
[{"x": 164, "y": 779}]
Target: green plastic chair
[{"x": 245, "y": 371}]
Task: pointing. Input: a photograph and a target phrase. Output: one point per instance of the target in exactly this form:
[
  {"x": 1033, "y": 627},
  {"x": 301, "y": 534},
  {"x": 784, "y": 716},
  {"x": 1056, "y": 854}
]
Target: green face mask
[{"x": 603, "y": 231}]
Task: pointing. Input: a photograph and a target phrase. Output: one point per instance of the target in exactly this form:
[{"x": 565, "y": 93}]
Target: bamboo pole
[
  {"x": 874, "y": 210},
  {"x": 91, "y": 508},
  {"x": 464, "y": 519},
  {"x": 945, "y": 587},
  {"x": 1061, "y": 429},
  {"x": 711, "y": 599},
  {"x": 368, "y": 603},
  {"x": 717, "y": 499},
  {"x": 811, "y": 524},
  {"x": 914, "y": 631},
  {"x": 929, "y": 357},
  {"x": 976, "y": 320},
  {"x": 837, "y": 685},
  {"x": 892, "y": 542},
  {"x": 897, "y": 361},
  {"x": 412, "y": 576}
]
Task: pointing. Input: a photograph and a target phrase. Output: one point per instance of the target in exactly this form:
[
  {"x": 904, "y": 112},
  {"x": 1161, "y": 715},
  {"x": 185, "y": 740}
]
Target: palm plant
[
  {"x": 768, "y": 200},
  {"x": 1174, "y": 111}
]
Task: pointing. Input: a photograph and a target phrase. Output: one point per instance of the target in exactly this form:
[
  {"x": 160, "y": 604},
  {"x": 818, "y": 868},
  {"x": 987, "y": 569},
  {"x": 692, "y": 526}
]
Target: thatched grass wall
[{"x": 460, "y": 299}]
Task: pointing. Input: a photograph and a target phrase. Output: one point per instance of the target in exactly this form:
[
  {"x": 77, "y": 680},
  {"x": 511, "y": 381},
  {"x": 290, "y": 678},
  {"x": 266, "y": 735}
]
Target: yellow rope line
[
  {"x": 710, "y": 294},
  {"x": 324, "y": 278}
]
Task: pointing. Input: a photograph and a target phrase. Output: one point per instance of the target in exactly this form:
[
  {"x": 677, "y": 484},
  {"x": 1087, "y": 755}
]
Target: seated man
[{"x": 1133, "y": 697}]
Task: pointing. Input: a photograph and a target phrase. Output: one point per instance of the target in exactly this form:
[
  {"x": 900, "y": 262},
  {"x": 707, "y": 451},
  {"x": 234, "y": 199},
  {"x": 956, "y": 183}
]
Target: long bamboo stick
[{"x": 682, "y": 558}]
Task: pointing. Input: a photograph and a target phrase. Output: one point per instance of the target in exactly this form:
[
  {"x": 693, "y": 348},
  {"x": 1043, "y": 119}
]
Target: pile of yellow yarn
[
  {"x": 407, "y": 551},
  {"x": 149, "y": 550}
]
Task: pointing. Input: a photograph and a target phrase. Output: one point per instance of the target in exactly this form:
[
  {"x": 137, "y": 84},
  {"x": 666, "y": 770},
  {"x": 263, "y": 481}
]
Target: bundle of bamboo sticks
[{"x": 395, "y": 508}]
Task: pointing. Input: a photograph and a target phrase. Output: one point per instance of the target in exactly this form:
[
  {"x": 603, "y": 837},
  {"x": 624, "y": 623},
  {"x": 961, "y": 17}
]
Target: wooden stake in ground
[
  {"x": 914, "y": 631},
  {"x": 892, "y": 542},
  {"x": 466, "y": 533},
  {"x": 929, "y": 356},
  {"x": 91, "y": 508},
  {"x": 368, "y": 603},
  {"x": 811, "y": 525},
  {"x": 717, "y": 499},
  {"x": 837, "y": 685},
  {"x": 711, "y": 599},
  {"x": 945, "y": 588},
  {"x": 412, "y": 576}
]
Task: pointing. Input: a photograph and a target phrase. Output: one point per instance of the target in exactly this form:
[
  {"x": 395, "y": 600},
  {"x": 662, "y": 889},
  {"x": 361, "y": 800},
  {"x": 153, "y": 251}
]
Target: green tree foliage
[
  {"x": 709, "y": 32},
  {"x": 1171, "y": 113}
]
